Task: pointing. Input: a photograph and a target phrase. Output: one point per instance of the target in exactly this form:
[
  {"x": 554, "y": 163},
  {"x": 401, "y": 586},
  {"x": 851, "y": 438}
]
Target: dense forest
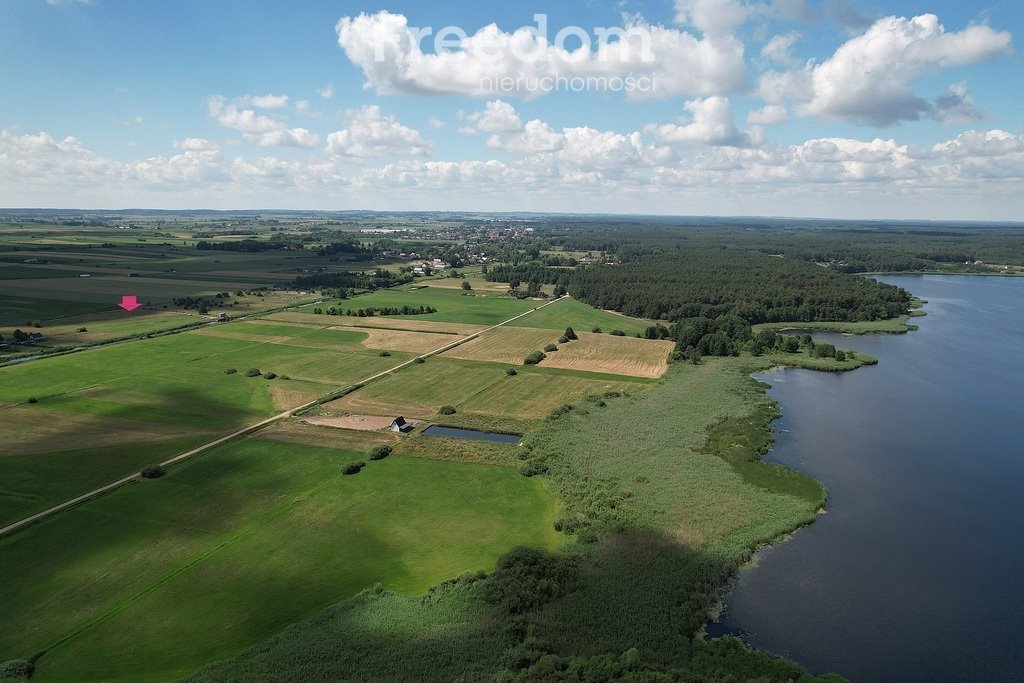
[
  {"x": 755, "y": 287},
  {"x": 853, "y": 250},
  {"x": 711, "y": 283},
  {"x": 341, "y": 281}
]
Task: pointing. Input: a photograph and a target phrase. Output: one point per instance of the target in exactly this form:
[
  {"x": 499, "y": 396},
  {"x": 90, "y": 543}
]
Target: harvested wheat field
[
  {"x": 377, "y": 322},
  {"x": 361, "y": 423},
  {"x": 505, "y": 345},
  {"x": 401, "y": 340},
  {"x": 613, "y": 355},
  {"x": 477, "y": 284}
]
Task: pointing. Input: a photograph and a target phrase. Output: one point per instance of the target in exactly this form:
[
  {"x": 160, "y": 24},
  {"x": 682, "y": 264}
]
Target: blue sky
[{"x": 757, "y": 107}]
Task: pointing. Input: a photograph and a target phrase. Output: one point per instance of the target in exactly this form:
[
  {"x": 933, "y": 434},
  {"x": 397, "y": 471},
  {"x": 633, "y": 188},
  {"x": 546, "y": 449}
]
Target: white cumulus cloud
[
  {"x": 663, "y": 62},
  {"x": 497, "y": 116},
  {"x": 536, "y": 137},
  {"x": 711, "y": 123},
  {"x": 259, "y": 129},
  {"x": 196, "y": 144},
  {"x": 868, "y": 78},
  {"x": 371, "y": 134}
]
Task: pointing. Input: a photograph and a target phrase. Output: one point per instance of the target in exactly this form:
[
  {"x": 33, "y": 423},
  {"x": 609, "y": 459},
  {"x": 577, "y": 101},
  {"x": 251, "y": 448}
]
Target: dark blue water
[
  {"x": 916, "y": 572},
  {"x": 452, "y": 432}
]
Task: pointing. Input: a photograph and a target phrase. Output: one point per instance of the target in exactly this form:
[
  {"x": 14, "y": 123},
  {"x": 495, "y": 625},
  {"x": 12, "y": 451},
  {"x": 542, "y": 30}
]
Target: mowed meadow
[
  {"x": 162, "y": 576},
  {"x": 78, "y": 421}
]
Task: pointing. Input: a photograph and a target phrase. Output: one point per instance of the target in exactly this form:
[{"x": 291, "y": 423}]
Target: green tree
[{"x": 380, "y": 452}]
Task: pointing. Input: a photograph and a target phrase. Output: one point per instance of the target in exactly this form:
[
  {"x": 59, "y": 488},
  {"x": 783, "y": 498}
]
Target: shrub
[
  {"x": 152, "y": 472},
  {"x": 16, "y": 668},
  {"x": 550, "y": 347},
  {"x": 419, "y": 360},
  {"x": 447, "y": 410},
  {"x": 511, "y": 372},
  {"x": 560, "y": 411},
  {"x": 823, "y": 351},
  {"x": 571, "y": 333},
  {"x": 283, "y": 377},
  {"x": 230, "y": 371},
  {"x": 380, "y": 452},
  {"x": 33, "y": 399},
  {"x": 563, "y": 339},
  {"x": 840, "y": 355},
  {"x": 83, "y": 329},
  {"x": 353, "y": 467},
  {"x": 617, "y": 333},
  {"x": 533, "y": 468},
  {"x": 596, "y": 330},
  {"x": 270, "y": 375},
  {"x": 253, "y": 372},
  {"x": 534, "y": 358},
  {"x": 527, "y": 578},
  {"x": 568, "y": 525},
  {"x": 385, "y": 354}
]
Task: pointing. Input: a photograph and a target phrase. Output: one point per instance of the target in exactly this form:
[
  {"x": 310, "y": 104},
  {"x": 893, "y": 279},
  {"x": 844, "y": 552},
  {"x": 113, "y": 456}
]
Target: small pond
[{"x": 455, "y": 433}]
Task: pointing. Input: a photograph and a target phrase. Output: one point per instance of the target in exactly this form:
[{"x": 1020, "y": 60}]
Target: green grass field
[
  {"x": 161, "y": 577},
  {"x": 16, "y": 308},
  {"x": 130, "y": 393},
  {"x": 33, "y": 482},
  {"x": 452, "y": 305},
  {"x": 581, "y": 317},
  {"x": 477, "y": 387},
  {"x": 535, "y": 393}
]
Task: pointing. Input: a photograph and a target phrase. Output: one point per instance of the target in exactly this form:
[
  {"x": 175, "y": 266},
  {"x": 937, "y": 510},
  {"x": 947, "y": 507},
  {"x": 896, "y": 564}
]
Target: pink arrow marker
[{"x": 129, "y": 303}]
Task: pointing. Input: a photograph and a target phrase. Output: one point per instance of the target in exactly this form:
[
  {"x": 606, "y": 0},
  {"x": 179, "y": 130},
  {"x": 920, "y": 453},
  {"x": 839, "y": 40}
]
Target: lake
[
  {"x": 456, "y": 433},
  {"x": 916, "y": 572}
]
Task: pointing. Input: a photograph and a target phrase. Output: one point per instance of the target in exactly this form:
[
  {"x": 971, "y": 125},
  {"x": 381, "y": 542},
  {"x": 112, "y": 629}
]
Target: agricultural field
[
  {"x": 475, "y": 280},
  {"x": 505, "y": 345},
  {"x": 332, "y": 336},
  {"x": 614, "y": 355},
  {"x": 474, "y": 387},
  {"x": 142, "y": 401},
  {"x": 453, "y": 305},
  {"x": 536, "y": 393},
  {"x": 305, "y": 315},
  {"x": 133, "y": 584},
  {"x": 582, "y": 318},
  {"x": 58, "y": 280},
  {"x": 419, "y": 390},
  {"x": 602, "y": 353}
]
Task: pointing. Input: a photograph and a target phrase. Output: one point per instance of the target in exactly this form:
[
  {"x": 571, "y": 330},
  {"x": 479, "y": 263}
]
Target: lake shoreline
[
  {"x": 913, "y": 587},
  {"x": 709, "y": 632}
]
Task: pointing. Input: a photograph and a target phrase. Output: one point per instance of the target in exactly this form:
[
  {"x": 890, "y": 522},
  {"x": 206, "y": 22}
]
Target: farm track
[{"x": 245, "y": 431}]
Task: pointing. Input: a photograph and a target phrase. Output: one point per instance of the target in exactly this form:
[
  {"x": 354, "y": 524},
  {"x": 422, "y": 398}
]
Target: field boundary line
[{"x": 245, "y": 431}]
